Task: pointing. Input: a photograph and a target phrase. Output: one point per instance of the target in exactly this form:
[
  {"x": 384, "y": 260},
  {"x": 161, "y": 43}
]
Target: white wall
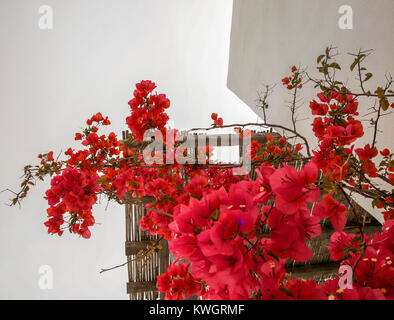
[
  {"x": 269, "y": 36},
  {"x": 51, "y": 81}
]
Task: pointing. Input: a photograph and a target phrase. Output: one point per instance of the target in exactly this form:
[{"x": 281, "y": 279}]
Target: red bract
[
  {"x": 340, "y": 241},
  {"x": 366, "y": 153},
  {"x": 385, "y": 152},
  {"x": 330, "y": 208},
  {"x": 216, "y": 121},
  {"x": 304, "y": 290},
  {"x": 289, "y": 233},
  {"x": 318, "y": 108},
  {"x": 263, "y": 183},
  {"x": 293, "y": 189}
]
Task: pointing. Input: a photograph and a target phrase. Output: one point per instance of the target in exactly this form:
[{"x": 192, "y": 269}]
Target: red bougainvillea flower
[
  {"x": 354, "y": 130},
  {"x": 55, "y": 218},
  {"x": 330, "y": 208},
  {"x": 74, "y": 191},
  {"x": 338, "y": 244},
  {"x": 324, "y": 98},
  {"x": 319, "y": 109},
  {"x": 385, "y": 152},
  {"x": 263, "y": 183},
  {"x": 374, "y": 270},
  {"x": 178, "y": 283},
  {"x": 286, "y": 81},
  {"x": 75, "y": 188},
  {"x": 196, "y": 185},
  {"x": 366, "y": 153},
  {"x": 289, "y": 232},
  {"x": 300, "y": 289},
  {"x": 370, "y": 168},
  {"x": 272, "y": 273},
  {"x": 145, "y": 87},
  {"x": 319, "y": 127},
  {"x": 239, "y": 211},
  {"x": 216, "y": 241},
  {"x": 294, "y": 188},
  {"x": 216, "y": 121}
]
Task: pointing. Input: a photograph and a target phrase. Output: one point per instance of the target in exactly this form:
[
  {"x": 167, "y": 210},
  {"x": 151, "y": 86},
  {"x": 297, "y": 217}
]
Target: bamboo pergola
[{"x": 142, "y": 273}]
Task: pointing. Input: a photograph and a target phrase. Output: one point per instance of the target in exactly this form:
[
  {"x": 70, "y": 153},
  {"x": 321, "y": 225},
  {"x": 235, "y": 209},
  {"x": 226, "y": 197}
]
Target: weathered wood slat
[
  {"x": 319, "y": 272},
  {"x": 129, "y": 199},
  {"x": 141, "y": 286},
  {"x": 133, "y": 247}
]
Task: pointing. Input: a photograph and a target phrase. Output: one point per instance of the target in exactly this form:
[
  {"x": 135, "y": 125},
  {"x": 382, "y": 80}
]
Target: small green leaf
[
  {"x": 353, "y": 65},
  {"x": 356, "y": 61},
  {"x": 273, "y": 256},
  {"x": 368, "y": 76},
  {"x": 335, "y": 66},
  {"x": 384, "y": 103}
]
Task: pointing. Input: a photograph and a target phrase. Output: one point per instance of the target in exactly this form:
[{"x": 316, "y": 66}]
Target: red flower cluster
[
  {"x": 73, "y": 191},
  {"x": 374, "y": 271},
  {"x": 294, "y": 81},
  {"x": 217, "y": 122},
  {"x": 330, "y": 208},
  {"x": 211, "y": 232},
  {"x": 147, "y": 110},
  {"x": 178, "y": 283}
]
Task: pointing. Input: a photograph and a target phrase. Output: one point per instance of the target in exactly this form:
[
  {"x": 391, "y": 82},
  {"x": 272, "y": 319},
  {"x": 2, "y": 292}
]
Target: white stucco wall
[{"x": 269, "y": 36}]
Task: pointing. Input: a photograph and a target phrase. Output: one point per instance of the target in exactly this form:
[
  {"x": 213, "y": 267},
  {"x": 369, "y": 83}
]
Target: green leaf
[
  {"x": 368, "y": 76},
  {"x": 385, "y": 104},
  {"x": 320, "y": 57},
  {"x": 353, "y": 65},
  {"x": 355, "y": 239},
  {"x": 335, "y": 66},
  {"x": 215, "y": 215},
  {"x": 356, "y": 61},
  {"x": 273, "y": 256}
]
